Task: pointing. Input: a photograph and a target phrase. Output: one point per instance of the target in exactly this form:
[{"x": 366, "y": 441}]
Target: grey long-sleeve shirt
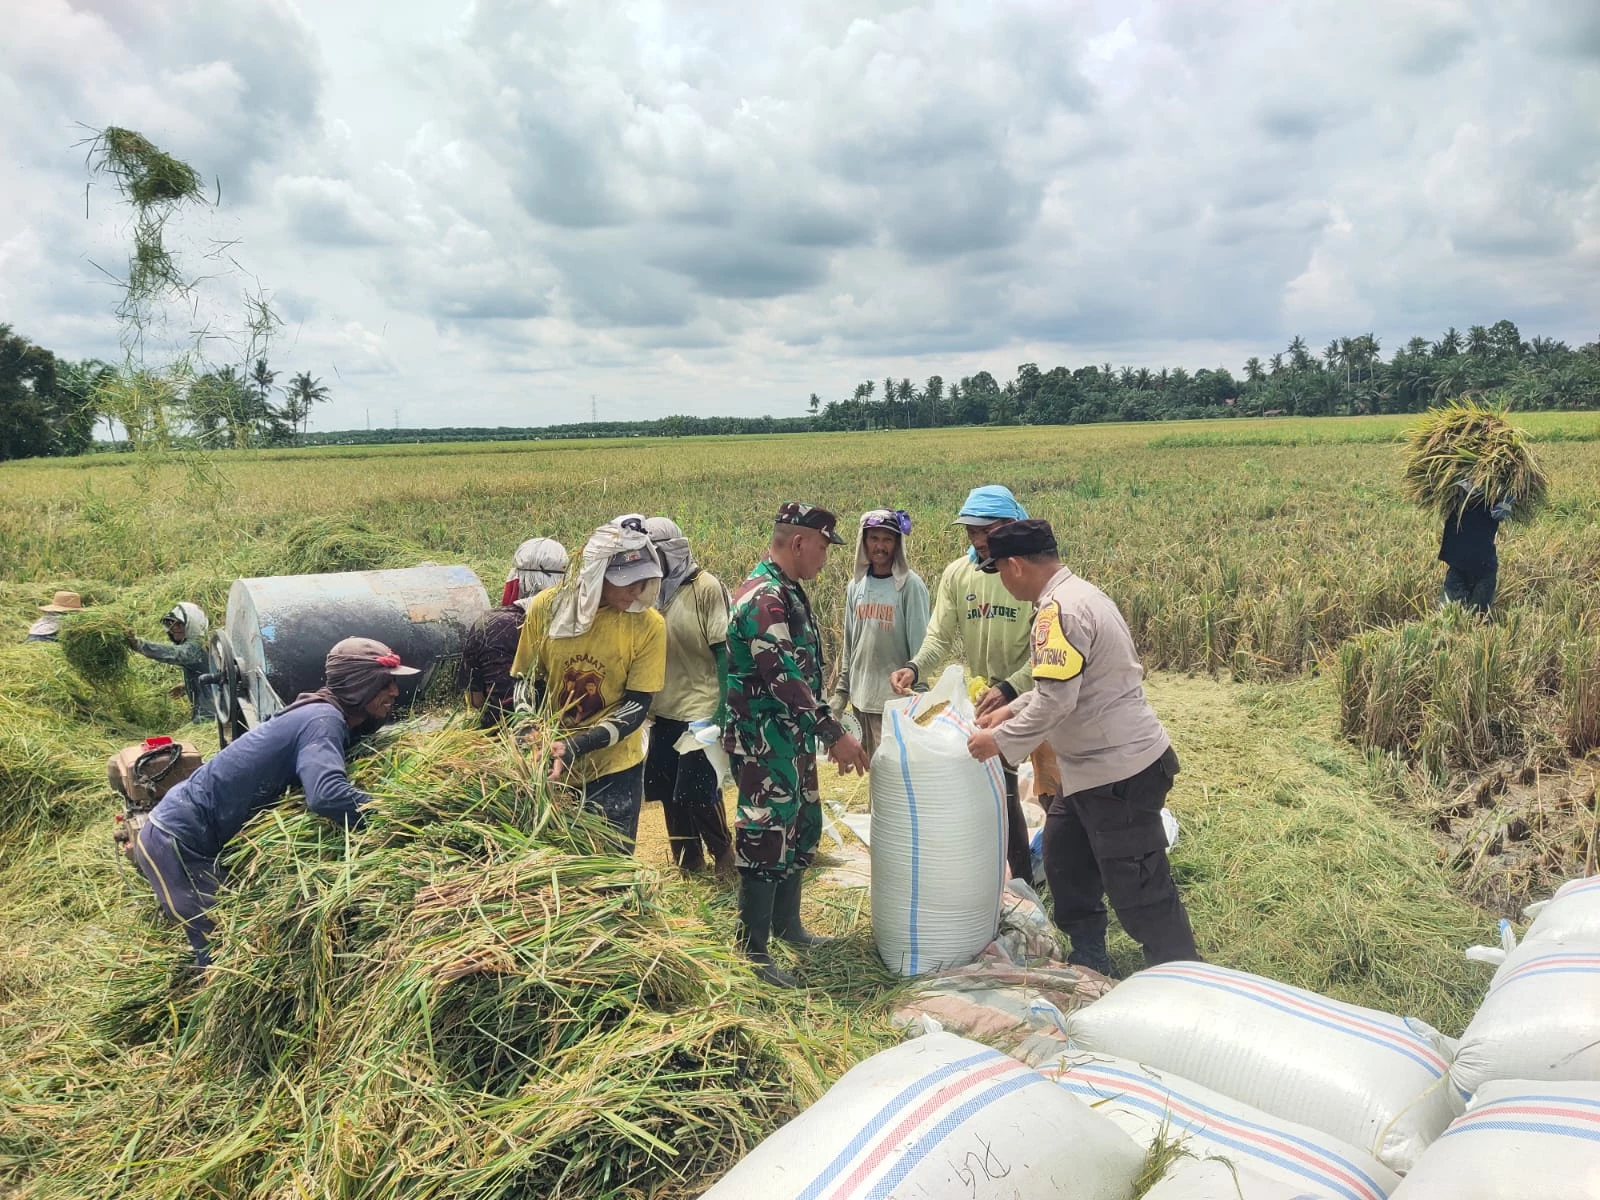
[
  {"x": 207, "y": 809},
  {"x": 1088, "y": 697},
  {"x": 191, "y": 656}
]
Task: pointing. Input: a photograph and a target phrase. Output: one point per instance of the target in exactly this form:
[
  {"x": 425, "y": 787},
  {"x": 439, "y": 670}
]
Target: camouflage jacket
[{"x": 775, "y": 699}]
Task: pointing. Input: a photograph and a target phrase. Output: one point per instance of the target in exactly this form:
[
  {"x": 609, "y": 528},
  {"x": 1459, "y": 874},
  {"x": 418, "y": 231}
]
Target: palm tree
[
  {"x": 1477, "y": 341},
  {"x": 1330, "y": 354},
  {"x": 1252, "y": 369},
  {"x": 1299, "y": 359},
  {"x": 305, "y": 392}
]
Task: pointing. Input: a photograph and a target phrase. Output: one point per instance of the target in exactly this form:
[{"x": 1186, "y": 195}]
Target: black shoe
[
  {"x": 756, "y": 896},
  {"x": 1092, "y": 955},
  {"x": 786, "y": 913}
]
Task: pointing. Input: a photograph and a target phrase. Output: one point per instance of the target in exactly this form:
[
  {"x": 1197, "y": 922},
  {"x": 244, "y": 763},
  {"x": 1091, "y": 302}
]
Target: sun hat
[
  {"x": 64, "y": 602},
  {"x": 990, "y": 503}
]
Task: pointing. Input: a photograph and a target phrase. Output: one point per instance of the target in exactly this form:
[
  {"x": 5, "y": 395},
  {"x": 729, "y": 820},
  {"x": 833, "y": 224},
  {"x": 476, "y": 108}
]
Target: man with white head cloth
[
  {"x": 592, "y": 653},
  {"x": 185, "y": 647},
  {"x": 490, "y": 644},
  {"x": 695, "y": 605}
]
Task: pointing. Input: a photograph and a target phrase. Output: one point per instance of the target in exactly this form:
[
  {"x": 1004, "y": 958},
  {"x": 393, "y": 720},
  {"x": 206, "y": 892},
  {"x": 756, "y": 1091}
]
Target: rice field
[{"x": 476, "y": 998}]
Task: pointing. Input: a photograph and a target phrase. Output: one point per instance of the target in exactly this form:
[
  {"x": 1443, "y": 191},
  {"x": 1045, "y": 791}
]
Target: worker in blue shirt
[{"x": 178, "y": 847}]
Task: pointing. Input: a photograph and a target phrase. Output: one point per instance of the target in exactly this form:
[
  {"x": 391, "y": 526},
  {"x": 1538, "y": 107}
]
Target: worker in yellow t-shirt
[{"x": 593, "y": 652}]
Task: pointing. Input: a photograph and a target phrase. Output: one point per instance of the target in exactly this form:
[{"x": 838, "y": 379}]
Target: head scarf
[
  {"x": 993, "y": 502},
  {"x": 355, "y": 671},
  {"x": 898, "y": 522},
  {"x": 677, "y": 559},
  {"x": 539, "y": 563},
  {"x": 579, "y": 598},
  {"x": 193, "y": 618}
]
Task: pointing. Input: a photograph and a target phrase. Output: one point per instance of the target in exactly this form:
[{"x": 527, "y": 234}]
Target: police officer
[{"x": 1103, "y": 836}]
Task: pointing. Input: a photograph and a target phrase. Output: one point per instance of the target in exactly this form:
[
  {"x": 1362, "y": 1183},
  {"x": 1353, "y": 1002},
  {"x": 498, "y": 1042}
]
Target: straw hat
[{"x": 64, "y": 602}]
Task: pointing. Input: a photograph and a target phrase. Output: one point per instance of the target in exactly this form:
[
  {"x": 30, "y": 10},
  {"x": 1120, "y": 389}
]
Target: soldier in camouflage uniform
[{"x": 776, "y": 716}]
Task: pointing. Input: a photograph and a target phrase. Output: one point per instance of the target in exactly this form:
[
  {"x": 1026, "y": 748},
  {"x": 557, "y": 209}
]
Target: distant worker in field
[
  {"x": 1103, "y": 837},
  {"x": 885, "y": 617},
  {"x": 976, "y": 621},
  {"x": 776, "y": 719},
  {"x": 593, "y": 652},
  {"x": 694, "y": 603},
  {"x": 185, "y": 647},
  {"x": 1467, "y": 550},
  {"x": 48, "y": 627},
  {"x": 177, "y": 848},
  {"x": 488, "y": 647}
]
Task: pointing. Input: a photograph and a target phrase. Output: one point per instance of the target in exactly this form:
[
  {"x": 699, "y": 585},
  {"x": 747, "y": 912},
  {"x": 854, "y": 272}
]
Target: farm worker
[
  {"x": 976, "y": 620},
  {"x": 1467, "y": 549},
  {"x": 48, "y": 627},
  {"x": 177, "y": 847},
  {"x": 593, "y": 652},
  {"x": 1103, "y": 834},
  {"x": 186, "y": 627},
  {"x": 885, "y": 617},
  {"x": 694, "y": 603},
  {"x": 488, "y": 647},
  {"x": 776, "y": 718}
]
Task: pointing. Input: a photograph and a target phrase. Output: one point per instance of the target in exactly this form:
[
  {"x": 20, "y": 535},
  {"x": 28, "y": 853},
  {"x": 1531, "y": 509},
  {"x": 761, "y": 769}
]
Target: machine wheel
[{"x": 225, "y": 687}]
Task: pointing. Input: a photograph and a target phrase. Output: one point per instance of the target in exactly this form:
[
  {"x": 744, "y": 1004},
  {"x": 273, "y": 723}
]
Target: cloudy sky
[{"x": 487, "y": 213}]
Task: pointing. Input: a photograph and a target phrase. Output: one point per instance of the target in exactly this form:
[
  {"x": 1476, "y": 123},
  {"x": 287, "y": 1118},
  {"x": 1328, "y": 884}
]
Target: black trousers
[
  {"x": 1475, "y": 589},
  {"x": 617, "y": 798},
  {"x": 1108, "y": 843},
  {"x": 1019, "y": 855},
  {"x": 686, "y": 787}
]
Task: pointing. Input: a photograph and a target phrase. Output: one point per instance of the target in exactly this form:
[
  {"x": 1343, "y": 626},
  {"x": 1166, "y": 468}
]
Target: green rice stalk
[{"x": 324, "y": 544}]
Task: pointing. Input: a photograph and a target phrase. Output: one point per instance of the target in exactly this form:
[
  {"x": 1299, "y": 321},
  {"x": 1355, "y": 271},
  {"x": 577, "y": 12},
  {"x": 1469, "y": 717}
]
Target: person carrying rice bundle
[
  {"x": 488, "y": 647},
  {"x": 186, "y": 627},
  {"x": 48, "y": 627},
  {"x": 1467, "y": 463},
  {"x": 593, "y": 652},
  {"x": 178, "y": 847}
]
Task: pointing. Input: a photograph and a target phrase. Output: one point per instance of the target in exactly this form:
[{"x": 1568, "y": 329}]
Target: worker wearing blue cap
[{"x": 976, "y": 621}]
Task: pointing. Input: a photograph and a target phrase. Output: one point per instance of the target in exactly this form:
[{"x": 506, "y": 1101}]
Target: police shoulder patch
[{"x": 1054, "y": 655}]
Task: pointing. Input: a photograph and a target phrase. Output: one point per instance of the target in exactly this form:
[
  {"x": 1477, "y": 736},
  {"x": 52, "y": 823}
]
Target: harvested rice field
[{"x": 474, "y": 997}]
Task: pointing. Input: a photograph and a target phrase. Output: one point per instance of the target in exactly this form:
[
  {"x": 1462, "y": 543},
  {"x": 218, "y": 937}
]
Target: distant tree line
[
  {"x": 1348, "y": 377},
  {"x": 48, "y": 405},
  {"x": 51, "y": 405}
]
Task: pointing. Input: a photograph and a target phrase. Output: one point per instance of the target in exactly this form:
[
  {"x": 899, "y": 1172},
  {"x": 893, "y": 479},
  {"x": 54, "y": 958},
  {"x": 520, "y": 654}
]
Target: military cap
[{"x": 811, "y": 517}]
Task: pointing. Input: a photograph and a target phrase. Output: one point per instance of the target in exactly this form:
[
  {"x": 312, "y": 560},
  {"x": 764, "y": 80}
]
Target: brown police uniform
[{"x": 1103, "y": 835}]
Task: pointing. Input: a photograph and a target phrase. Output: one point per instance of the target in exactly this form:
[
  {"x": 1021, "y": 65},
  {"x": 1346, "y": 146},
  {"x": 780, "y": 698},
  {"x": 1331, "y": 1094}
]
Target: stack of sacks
[
  {"x": 1272, "y": 1158},
  {"x": 1518, "y": 1141},
  {"x": 940, "y": 1118},
  {"x": 1541, "y": 1018},
  {"x": 1375, "y": 1082}
]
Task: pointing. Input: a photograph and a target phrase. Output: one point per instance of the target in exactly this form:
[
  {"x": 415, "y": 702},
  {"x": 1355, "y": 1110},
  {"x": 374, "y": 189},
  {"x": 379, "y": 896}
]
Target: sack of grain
[
  {"x": 1374, "y": 1081},
  {"x": 938, "y": 833},
  {"x": 1220, "y": 1179},
  {"x": 1146, "y": 1103},
  {"x": 1518, "y": 1141},
  {"x": 940, "y": 1118},
  {"x": 1571, "y": 915},
  {"x": 1540, "y": 1020}
]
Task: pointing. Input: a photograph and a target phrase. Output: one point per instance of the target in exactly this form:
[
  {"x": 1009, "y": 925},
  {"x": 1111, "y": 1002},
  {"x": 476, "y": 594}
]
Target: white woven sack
[
  {"x": 1540, "y": 1020},
  {"x": 1377, "y": 1082},
  {"x": 940, "y": 1118},
  {"x": 1285, "y": 1158},
  {"x": 1571, "y": 915},
  {"x": 1210, "y": 1179},
  {"x": 938, "y": 835},
  {"x": 1520, "y": 1140}
]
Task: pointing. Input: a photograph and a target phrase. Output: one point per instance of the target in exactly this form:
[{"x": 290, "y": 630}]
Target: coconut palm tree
[{"x": 304, "y": 393}]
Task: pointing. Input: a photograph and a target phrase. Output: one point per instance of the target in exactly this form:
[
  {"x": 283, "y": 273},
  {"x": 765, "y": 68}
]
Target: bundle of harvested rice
[
  {"x": 324, "y": 544},
  {"x": 469, "y": 996},
  {"x": 45, "y": 775},
  {"x": 95, "y": 643},
  {"x": 1469, "y": 442}
]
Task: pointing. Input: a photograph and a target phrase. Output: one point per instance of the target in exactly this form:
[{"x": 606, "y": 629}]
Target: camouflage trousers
[{"x": 780, "y": 814}]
